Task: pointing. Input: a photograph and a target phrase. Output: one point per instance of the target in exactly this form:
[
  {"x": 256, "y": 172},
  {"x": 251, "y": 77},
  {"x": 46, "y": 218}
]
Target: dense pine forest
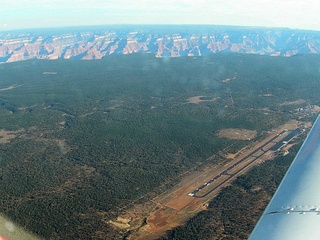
[{"x": 82, "y": 140}]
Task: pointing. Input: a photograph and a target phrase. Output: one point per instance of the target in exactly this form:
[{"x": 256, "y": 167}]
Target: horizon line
[{"x": 149, "y": 25}]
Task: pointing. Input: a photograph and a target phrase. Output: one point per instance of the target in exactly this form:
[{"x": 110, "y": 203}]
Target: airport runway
[{"x": 259, "y": 153}]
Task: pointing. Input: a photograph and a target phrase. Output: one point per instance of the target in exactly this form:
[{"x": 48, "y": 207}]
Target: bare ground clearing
[
  {"x": 49, "y": 73},
  {"x": 199, "y": 99},
  {"x": 237, "y": 133},
  {"x": 10, "y": 87},
  {"x": 229, "y": 79},
  {"x": 300, "y": 101},
  {"x": 7, "y": 136}
]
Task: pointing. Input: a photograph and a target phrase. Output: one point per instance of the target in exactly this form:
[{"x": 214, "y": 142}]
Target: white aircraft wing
[{"x": 294, "y": 211}]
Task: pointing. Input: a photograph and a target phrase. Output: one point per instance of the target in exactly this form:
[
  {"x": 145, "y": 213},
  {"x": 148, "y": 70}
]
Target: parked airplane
[{"x": 294, "y": 211}]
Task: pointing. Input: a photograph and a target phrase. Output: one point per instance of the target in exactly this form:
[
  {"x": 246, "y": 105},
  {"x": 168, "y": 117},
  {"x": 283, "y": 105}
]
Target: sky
[{"x": 22, "y": 14}]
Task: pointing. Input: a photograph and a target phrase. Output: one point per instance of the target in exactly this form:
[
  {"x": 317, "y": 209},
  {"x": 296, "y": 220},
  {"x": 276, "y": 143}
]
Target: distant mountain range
[{"x": 162, "y": 41}]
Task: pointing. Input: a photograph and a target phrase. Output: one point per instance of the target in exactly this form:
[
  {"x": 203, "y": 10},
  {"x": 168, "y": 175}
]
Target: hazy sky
[{"x": 17, "y": 14}]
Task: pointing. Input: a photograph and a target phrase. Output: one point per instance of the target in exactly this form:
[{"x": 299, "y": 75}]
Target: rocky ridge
[{"x": 166, "y": 41}]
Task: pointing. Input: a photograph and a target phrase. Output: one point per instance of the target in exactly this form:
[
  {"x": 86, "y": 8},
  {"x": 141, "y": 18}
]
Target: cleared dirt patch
[
  {"x": 293, "y": 102},
  {"x": 237, "y": 133},
  {"x": 49, "y": 73},
  {"x": 200, "y": 99},
  {"x": 266, "y": 95},
  {"x": 7, "y": 136},
  {"x": 229, "y": 79},
  {"x": 10, "y": 87},
  {"x": 316, "y": 108},
  {"x": 122, "y": 223}
]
